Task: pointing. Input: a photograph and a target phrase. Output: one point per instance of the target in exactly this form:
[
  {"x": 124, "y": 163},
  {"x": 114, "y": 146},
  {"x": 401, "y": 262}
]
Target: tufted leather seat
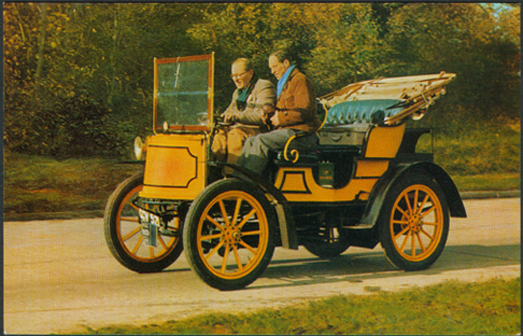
[
  {"x": 363, "y": 111},
  {"x": 358, "y": 113}
]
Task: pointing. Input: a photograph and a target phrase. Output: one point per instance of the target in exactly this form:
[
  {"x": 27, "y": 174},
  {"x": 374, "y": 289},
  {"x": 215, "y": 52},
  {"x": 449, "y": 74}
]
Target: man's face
[
  {"x": 278, "y": 68},
  {"x": 241, "y": 77}
]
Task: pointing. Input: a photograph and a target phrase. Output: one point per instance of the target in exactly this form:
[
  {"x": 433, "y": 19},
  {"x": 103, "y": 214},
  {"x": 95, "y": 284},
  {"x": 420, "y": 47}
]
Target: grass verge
[
  {"x": 492, "y": 149},
  {"x": 488, "y": 182},
  {"x": 36, "y": 184},
  {"x": 452, "y": 308}
]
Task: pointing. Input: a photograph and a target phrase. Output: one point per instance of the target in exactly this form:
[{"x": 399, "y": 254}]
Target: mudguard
[
  {"x": 289, "y": 237},
  {"x": 380, "y": 190}
]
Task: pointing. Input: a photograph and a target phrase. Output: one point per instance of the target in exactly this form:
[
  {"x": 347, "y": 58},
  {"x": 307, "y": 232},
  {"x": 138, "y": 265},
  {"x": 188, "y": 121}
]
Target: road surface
[{"x": 60, "y": 277}]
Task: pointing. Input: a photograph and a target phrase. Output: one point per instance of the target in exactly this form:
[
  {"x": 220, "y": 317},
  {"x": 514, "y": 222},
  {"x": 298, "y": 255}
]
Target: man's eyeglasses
[{"x": 233, "y": 76}]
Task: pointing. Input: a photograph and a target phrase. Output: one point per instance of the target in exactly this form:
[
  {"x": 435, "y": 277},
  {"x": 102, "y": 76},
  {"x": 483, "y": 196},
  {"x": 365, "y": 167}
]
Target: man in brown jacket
[
  {"x": 244, "y": 112},
  {"x": 295, "y": 112}
]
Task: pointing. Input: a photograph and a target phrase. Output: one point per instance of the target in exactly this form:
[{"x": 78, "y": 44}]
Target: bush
[{"x": 70, "y": 127}]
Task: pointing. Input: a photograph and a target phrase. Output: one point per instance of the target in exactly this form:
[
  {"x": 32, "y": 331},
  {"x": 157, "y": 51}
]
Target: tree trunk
[
  {"x": 112, "y": 88},
  {"x": 41, "y": 47}
]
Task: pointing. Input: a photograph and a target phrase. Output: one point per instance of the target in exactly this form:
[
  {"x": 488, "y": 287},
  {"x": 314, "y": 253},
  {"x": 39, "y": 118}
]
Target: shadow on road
[{"x": 356, "y": 267}]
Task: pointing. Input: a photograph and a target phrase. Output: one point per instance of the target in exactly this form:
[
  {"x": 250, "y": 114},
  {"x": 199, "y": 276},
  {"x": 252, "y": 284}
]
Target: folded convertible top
[{"x": 397, "y": 97}]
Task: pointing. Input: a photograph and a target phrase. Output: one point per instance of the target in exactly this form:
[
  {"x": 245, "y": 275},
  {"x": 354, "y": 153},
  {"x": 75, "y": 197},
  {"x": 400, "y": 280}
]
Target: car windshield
[{"x": 183, "y": 92}]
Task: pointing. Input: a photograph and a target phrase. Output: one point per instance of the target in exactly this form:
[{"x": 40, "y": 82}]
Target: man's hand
[
  {"x": 275, "y": 121},
  {"x": 229, "y": 118},
  {"x": 267, "y": 113}
]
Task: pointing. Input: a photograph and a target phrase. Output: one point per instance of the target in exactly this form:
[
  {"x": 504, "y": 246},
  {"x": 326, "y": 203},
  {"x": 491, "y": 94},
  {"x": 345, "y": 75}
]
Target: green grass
[
  {"x": 40, "y": 184},
  {"x": 491, "y": 150},
  {"x": 488, "y": 182},
  {"x": 452, "y": 308}
]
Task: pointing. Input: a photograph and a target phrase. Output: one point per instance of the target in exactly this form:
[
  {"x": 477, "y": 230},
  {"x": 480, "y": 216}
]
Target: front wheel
[
  {"x": 414, "y": 222},
  {"x": 229, "y": 234},
  {"x": 123, "y": 232}
]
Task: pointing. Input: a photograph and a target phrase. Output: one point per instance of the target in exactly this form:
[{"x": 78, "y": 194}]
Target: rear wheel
[
  {"x": 229, "y": 235},
  {"x": 414, "y": 222},
  {"x": 124, "y": 236}
]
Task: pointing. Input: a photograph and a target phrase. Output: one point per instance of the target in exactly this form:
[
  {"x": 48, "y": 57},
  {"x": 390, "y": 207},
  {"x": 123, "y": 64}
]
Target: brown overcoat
[{"x": 298, "y": 105}]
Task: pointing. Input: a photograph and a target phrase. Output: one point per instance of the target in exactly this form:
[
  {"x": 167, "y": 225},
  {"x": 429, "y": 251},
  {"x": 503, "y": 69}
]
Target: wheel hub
[
  {"x": 236, "y": 235},
  {"x": 232, "y": 234},
  {"x": 415, "y": 223}
]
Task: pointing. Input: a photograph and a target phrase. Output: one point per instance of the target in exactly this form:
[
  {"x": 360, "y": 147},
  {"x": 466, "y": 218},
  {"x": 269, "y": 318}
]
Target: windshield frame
[{"x": 210, "y": 95}]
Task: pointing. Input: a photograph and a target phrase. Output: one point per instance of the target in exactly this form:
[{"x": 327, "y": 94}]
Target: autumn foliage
[{"x": 78, "y": 77}]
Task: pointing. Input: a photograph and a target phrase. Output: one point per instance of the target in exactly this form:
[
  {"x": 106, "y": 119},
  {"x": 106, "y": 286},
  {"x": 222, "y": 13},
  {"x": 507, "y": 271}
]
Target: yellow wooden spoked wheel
[
  {"x": 124, "y": 235},
  {"x": 415, "y": 223},
  {"x": 229, "y": 234}
]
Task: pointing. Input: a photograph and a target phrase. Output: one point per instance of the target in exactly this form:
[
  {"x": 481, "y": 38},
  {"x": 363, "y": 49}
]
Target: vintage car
[{"x": 365, "y": 185}]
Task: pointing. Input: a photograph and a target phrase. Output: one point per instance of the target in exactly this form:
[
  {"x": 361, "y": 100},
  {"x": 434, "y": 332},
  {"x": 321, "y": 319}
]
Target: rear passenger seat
[
  {"x": 345, "y": 126},
  {"x": 348, "y": 122}
]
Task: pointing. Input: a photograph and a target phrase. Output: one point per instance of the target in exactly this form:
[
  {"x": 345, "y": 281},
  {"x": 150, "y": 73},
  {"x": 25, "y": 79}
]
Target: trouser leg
[
  {"x": 236, "y": 140},
  {"x": 256, "y": 151},
  {"x": 254, "y": 155},
  {"x": 219, "y": 145}
]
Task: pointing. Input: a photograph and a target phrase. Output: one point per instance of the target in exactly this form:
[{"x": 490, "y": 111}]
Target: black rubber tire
[
  {"x": 406, "y": 226},
  {"x": 229, "y": 254},
  {"x": 124, "y": 237},
  {"x": 327, "y": 250}
]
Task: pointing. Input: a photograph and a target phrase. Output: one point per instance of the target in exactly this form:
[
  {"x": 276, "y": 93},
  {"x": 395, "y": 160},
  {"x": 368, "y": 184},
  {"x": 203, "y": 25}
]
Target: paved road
[{"x": 59, "y": 275}]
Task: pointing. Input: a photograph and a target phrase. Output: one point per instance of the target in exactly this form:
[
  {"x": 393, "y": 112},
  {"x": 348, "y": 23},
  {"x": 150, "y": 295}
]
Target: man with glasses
[{"x": 244, "y": 113}]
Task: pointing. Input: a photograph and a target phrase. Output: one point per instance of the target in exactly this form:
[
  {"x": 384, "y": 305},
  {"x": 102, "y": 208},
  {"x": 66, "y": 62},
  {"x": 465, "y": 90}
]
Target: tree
[
  {"x": 85, "y": 70},
  {"x": 85, "y": 57},
  {"x": 348, "y": 47},
  {"x": 462, "y": 38}
]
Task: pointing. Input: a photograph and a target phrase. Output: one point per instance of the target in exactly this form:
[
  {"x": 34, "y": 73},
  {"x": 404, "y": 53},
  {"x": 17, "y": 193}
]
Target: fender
[
  {"x": 380, "y": 190},
  {"x": 289, "y": 237}
]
